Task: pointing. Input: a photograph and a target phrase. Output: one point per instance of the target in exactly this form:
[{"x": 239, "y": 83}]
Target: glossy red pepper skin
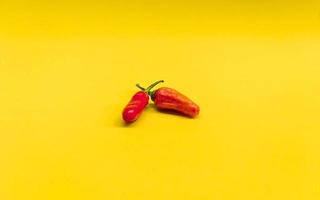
[
  {"x": 170, "y": 99},
  {"x": 137, "y": 104},
  {"x": 135, "y": 107}
]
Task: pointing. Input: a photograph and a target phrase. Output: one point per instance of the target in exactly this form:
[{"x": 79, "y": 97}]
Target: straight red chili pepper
[
  {"x": 137, "y": 104},
  {"x": 170, "y": 99}
]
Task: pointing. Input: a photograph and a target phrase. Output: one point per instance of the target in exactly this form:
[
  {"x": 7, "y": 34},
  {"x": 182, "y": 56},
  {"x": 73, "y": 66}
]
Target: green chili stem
[
  {"x": 152, "y": 95},
  {"x": 147, "y": 90},
  {"x": 143, "y": 89},
  {"x": 152, "y": 85}
]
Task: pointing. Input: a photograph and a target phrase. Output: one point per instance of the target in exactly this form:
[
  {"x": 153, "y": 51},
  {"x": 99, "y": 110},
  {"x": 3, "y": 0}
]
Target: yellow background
[{"x": 67, "y": 69}]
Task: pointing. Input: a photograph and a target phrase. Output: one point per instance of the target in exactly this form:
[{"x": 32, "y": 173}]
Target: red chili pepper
[
  {"x": 170, "y": 99},
  {"x": 137, "y": 104}
]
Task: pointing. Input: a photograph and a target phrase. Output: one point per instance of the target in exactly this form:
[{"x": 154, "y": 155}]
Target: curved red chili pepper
[
  {"x": 170, "y": 99},
  {"x": 137, "y": 104},
  {"x": 135, "y": 107}
]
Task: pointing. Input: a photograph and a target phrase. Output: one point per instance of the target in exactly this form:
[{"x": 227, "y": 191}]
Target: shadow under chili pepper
[
  {"x": 120, "y": 123},
  {"x": 170, "y": 112}
]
